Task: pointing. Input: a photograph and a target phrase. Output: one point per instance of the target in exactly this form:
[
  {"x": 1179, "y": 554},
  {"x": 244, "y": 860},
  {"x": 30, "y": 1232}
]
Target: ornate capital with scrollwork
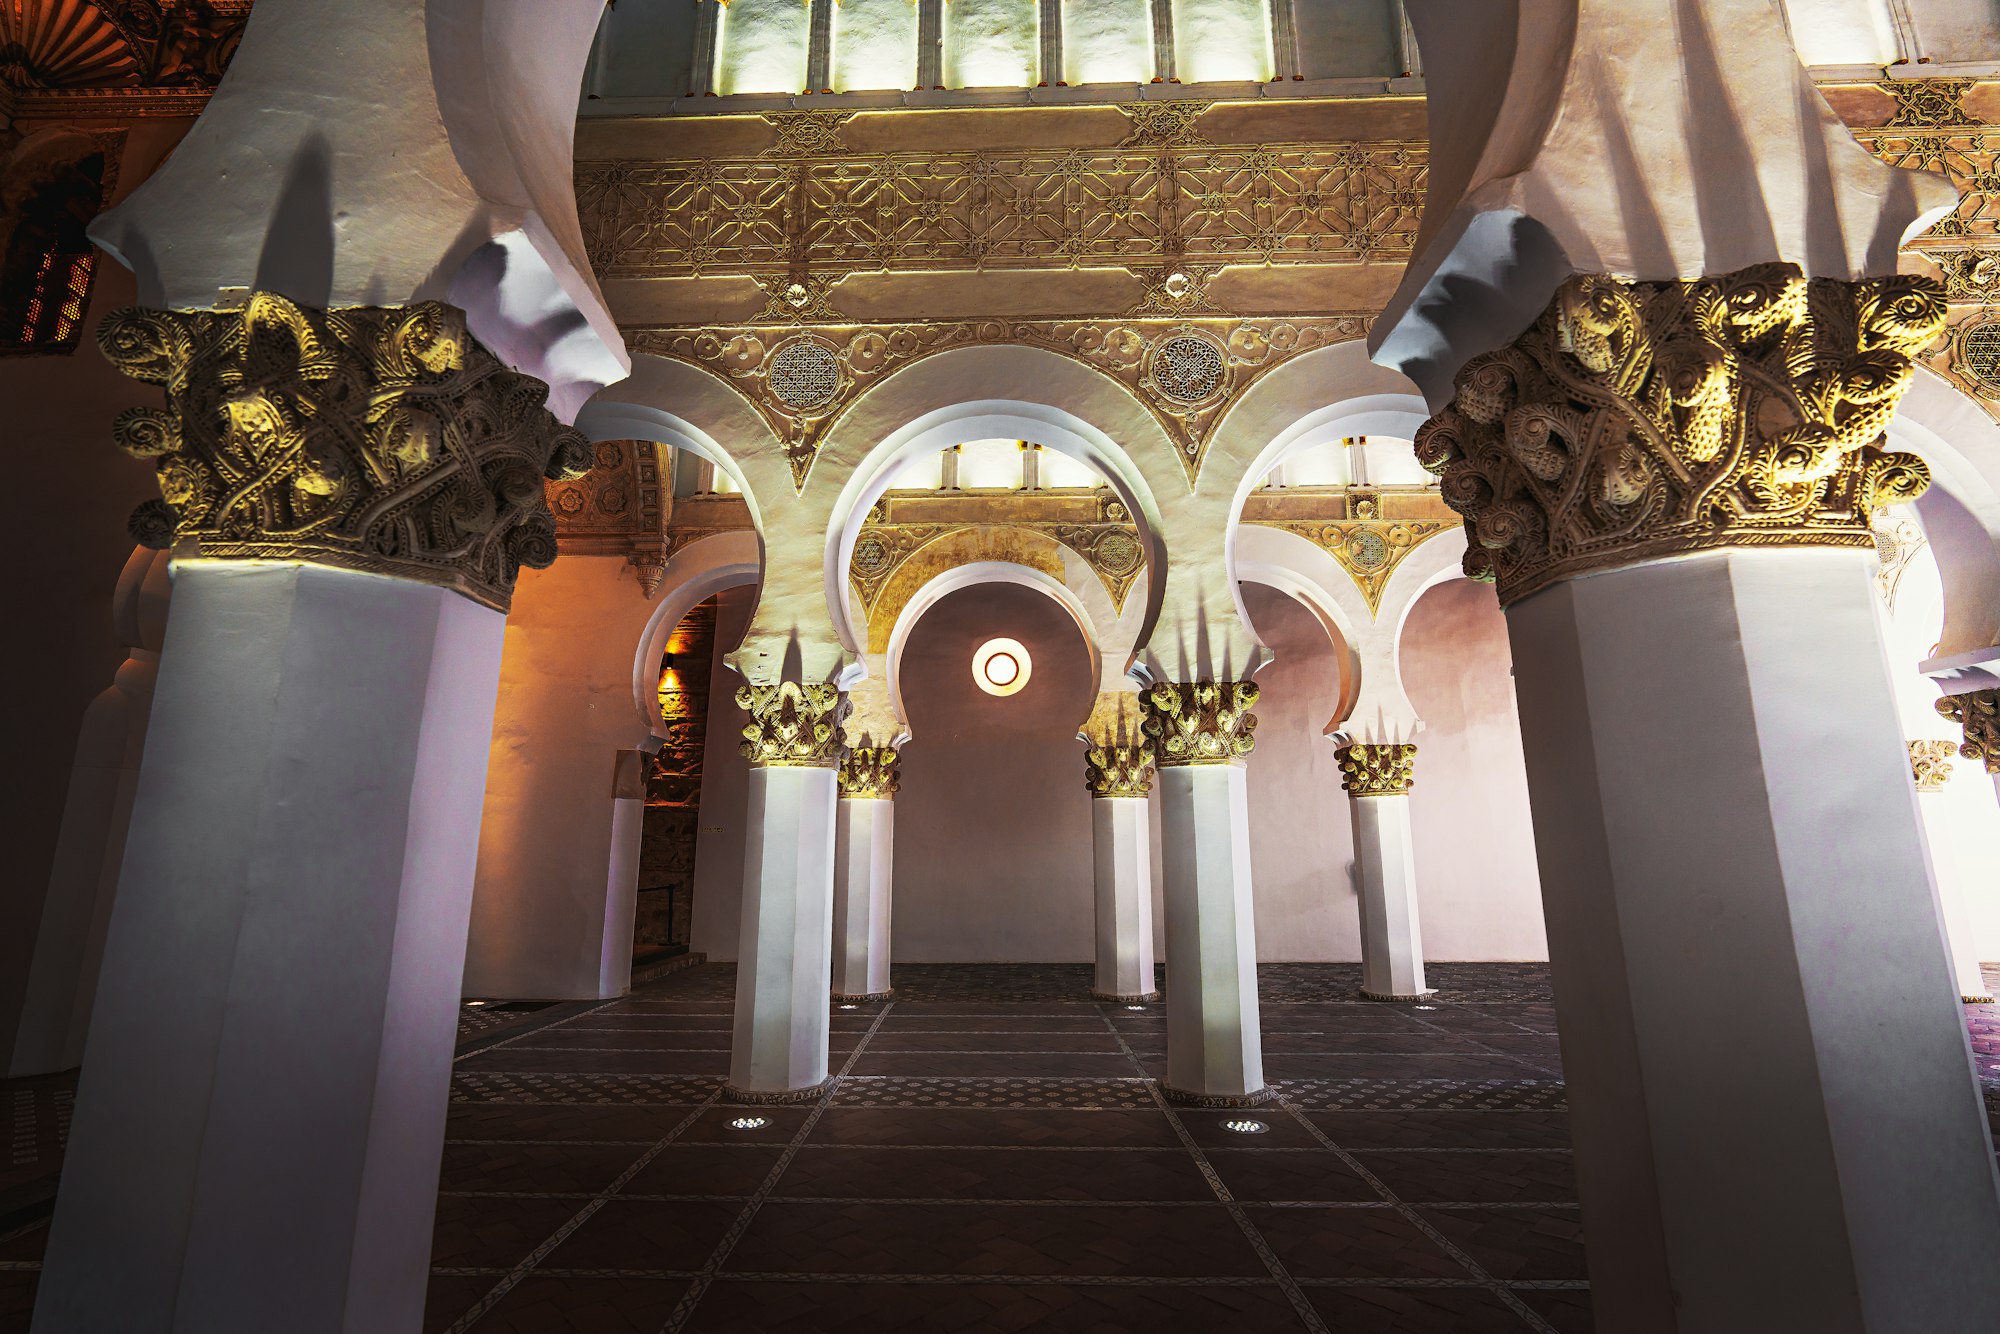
[
  {"x": 1639, "y": 420},
  {"x": 1977, "y": 712},
  {"x": 792, "y": 725},
  {"x": 1118, "y": 771},
  {"x": 1200, "y": 722},
  {"x": 869, "y": 773},
  {"x": 1930, "y": 764},
  {"x": 379, "y": 439},
  {"x": 1377, "y": 769}
]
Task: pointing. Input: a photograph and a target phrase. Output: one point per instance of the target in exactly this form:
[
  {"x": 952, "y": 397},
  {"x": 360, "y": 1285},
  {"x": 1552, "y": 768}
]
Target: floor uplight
[
  {"x": 748, "y": 1123},
  {"x": 1245, "y": 1126}
]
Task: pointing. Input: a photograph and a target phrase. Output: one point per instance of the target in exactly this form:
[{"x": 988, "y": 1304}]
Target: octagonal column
[
  {"x": 864, "y": 873},
  {"x": 1377, "y": 778},
  {"x": 1200, "y": 732},
  {"x": 1930, "y": 767},
  {"x": 1120, "y": 779}
]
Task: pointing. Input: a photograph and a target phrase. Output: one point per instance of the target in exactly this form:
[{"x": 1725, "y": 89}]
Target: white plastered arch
[
  {"x": 1961, "y": 511},
  {"x": 694, "y": 574},
  {"x": 944, "y": 584}
]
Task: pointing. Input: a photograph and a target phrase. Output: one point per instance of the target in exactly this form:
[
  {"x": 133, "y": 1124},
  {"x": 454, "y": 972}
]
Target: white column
[
  {"x": 863, "y": 884},
  {"x": 1385, "y": 883},
  {"x": 90, "y": 845},
  {"x": 1930, "y": 765},
  {"x": 784, "y": 956},
  {"x": 1214, "y": 1047},
  {"x": 1121, "y": 828},
  {"x": 1771, "y": 1094},
  {"x": 262, "y": 1106}
]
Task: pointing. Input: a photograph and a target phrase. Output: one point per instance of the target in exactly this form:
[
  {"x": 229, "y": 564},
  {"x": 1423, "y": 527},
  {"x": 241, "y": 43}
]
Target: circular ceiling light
[{"x": 1001, "y": 666}]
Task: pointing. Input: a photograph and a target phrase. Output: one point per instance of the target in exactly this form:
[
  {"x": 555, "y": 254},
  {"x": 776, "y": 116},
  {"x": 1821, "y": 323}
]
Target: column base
[
  {"x": 774, "y": 1097},
  {"x": 1425, "y": 994},
  {"x": 890, "y": 994},
  {"x": 1254, "y": 1098},
  {"x": 1122, "y": 998}
]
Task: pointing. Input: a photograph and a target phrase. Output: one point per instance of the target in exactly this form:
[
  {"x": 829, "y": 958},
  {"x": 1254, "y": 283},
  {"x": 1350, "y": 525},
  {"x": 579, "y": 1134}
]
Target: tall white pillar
[
  {"x": 90, "y": 846},
  {"x": 1771, "y": 1092},
  {"x": 864, "y": 873},
  {"x": 1200, "y": 733},
  {"x": 784, "y": 956},
  {"x": 262, "y": 1106},
  {"x": 1930, "y": 767},
  {"x": 1377, "y": 776},
  {"x": 1119, "y": 778}
]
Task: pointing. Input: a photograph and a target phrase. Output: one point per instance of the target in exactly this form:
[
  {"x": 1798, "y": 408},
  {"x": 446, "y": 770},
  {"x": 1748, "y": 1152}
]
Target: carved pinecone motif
[
  {"x": 793, "y": 724},
  {"x": 377, "y": 439},
  {"x": 1977, "y": 712},
  {"x": 1636, "y": 420},
  {"x": 1118, "y": 771},
  {"x": 869, "y": 772},
  {"x": 1200, "y": 722},
  {"x": 1377, "y": 769}
]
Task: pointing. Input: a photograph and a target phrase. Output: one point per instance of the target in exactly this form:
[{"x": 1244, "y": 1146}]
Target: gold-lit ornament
[
  {"x": 870, "y": 773},
  {"x": 379, "y": 439},
  {"x": 1977, "y": 712},
  {"x": 792, "y": 725},
  {"x": 1200, "y": 722},
  {"x": 1377, "y": 769},
  {"x": 1930, "y": 764},
  {"x": 1638, "y": 420},
  {"x": 1118, "y": 771}
]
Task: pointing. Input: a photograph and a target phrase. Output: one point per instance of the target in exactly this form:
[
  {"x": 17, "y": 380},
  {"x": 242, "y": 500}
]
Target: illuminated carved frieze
[
  {"x": 1377, "y": 769},
  {"x": 870, "y": 773},
  {"x": 792, "y": 725}
]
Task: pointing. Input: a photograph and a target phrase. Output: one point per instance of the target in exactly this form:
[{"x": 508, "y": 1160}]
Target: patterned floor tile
[
  {"x": 993, "y": 1091},
  {"x": 1412, "y": 1095},
  {"x": 1008, "y": 1065},
  {"x": 509, "y": 1086},
  {"x": 1520, "y": 1244},
  {"x": 994, "y": 1174},
  {"x": 584, "y": 1306},
  {"x": 706, "y": 1169},
  {"x": 17, "y": 1299},
  {"x": 474, "y": 1232},
  {"x": 1567, "y": 1311},
  {"x": 1293, "y": 1174},
  {"x": 1352, "y": 1243},
  {"x": 1415, "y": 1311},
  {"x": 473, "y": 1120},
  {"x": 734, "y": 1307},
  {"x": 520, "y": 1059},
  {"x": 560, "y": 1168},
  {"x": 1535, "y": 1176},
  {"x": 1004, "y": 1127},
  {"x": 645, "y": 1235}
]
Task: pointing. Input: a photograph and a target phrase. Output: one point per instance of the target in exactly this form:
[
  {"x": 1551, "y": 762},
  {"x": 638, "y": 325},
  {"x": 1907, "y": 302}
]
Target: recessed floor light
[
  {"x": 1427, "y": 1007},
  {"x": 1135, "y": 1007},
  {"x": 1245, "y": 1126},
  {"x": 748, "y": 1123},
  {"x": 850, "y": 1007}
]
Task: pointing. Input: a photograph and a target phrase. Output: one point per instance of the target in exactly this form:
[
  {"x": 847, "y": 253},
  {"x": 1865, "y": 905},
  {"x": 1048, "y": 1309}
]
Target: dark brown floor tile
[
  {"x": 1032, "y": 1065},
  {"x": 994, "y": 1174},
  {"x": 901, "y": 1022},
  {"x": 1536, "y": 1176},
  {"x": 1208, "y": 1127},
  {"x": 645, "y": 1234},
  {"x": 1288, "y": 1174},
  {"x": 621, "y": 1040},
  {"x": 475, "y": 1232},
  {"x": 568, "y": 1168},
  {"x": 652, "y": 1023},
  {"x": 714, "y": 1126},
  {"x": 1442, "y": 1065},
  {"x": 17, "y": 1299},
  {"x": 732, "y": 1307},
  {"x": 1339, "y": 1017},
  {"x": 706, "y": 1169},
  {"x": 1352, "y": 1243},
  {"x": 1414, "y": 1311},
  {"x": 451, "y": 1296},
  {"x": 974, "y": 1127},
  {"x": 25, "y": 1243},
  {"x": 523, "y": 1121},
  {"x": 1517, "y": 1243},
  {"x": 1099, "y": 1042},
  {"x": 543, "y": 1060},
  {"x": 1568, "y": 1309},
  {"x": 1365, "y": 1042},
  {"x": 973, "y": 1239},
  {"x": 1445, "y": 1130},
  {"x": 584, "y": 1306}
]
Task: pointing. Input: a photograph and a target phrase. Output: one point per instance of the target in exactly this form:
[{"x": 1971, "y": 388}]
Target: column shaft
[
  {"x": 1051, "y": 34},
  {"x": 1284, "y": 41},
  {"x": 1214, "y": 1044},
  {"x": 863, "y": 887},
  {"x": 1385, "y": 883},
  {"x": 262, "y": 1108},
  {"x": 930, "y": 44},
  {"x": 1164, "y": 68},
  {"x": 701, "y": 64},
  {"x": 784, "y": 957},
  {"x": 1771, "y": 1095},
  {"x": 1122, "y": 839},
  {"x": 819, "y": 47}
]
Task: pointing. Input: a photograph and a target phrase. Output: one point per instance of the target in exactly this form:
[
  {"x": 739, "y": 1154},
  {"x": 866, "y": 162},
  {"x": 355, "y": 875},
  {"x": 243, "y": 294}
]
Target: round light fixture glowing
[
  {"x": 1001, "y": 666},
  {"x": 1245, "y": 1127},
  {"x": 748, "y": 1123},
  {"x": 1135, "y": 1007}
]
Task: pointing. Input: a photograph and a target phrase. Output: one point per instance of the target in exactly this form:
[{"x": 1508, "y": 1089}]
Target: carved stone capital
[
  {"x": 1200, "y": 722},
  {"x": 379, "y": 439},
  {"x": 869, "y": 773},
  {"x": 1977, "y": 713},
  {"x": 792, "y": 725},
  {"x": 1377, "y": 769},
  {"x": 1118, "y": 771},
  {"x": 1639, "y": 420},
  {"x": 1930, "y": 764}
]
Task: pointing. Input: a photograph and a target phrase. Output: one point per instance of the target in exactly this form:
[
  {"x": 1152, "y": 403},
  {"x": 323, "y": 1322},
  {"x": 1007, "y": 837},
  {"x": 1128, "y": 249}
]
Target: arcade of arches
[{"x": 1009, "y": 663}]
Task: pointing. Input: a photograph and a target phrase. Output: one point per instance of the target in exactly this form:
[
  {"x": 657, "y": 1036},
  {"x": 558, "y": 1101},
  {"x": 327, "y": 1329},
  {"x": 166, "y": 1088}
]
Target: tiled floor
[{"x": 996, "y": 1156}]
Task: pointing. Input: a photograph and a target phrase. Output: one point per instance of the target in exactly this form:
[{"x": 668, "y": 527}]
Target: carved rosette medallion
[
  {"x": 1930, "y": 764},
  {"x": 379, "y": 439},
  {"x": 1377, "y": 769},
  {"x": 1639, "y": 420},
  {"x": 792, "y": 725},
  {"x": 869, "y": 773},
  {"x": 1118, "y": 771},
  {"x": 1977, "y": 712},
  {"x": 1200, "y": 722}
]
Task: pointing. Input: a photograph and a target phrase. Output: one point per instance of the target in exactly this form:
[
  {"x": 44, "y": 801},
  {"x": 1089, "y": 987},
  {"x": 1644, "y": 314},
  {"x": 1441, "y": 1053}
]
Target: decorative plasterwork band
[
  {"x": 1638, "y": 420},
  {"x": 379, "y": 439}
]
